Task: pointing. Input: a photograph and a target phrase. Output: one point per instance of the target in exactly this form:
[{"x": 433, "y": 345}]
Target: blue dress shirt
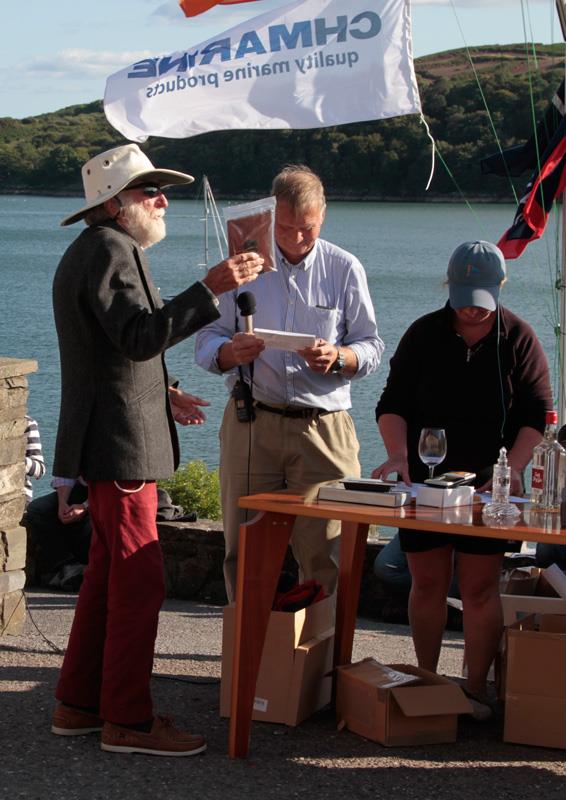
[{"x": 327, "y": 295}]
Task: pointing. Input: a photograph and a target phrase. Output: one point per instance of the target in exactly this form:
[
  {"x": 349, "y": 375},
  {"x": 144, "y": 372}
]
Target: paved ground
[{"x": 313, "y": 759}]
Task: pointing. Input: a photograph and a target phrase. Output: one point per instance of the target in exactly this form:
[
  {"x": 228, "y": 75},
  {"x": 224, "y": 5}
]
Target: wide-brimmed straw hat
[{"x": 114, "y": 170}]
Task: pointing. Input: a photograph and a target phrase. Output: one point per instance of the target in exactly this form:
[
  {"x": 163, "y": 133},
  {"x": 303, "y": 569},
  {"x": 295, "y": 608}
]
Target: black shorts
[{"x": 421, "y": 541}]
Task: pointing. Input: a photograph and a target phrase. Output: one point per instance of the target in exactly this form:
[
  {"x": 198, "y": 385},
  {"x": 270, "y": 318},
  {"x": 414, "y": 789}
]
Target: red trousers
[{"x": 109, "y": 657}]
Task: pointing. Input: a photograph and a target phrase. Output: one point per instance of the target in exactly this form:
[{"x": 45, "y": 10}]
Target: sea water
[{"x": 404, "y": 248}]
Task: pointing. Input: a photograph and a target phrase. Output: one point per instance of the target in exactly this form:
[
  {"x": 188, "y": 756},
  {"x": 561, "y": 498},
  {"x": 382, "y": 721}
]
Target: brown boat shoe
[
  {"x": 164, "y": 739},
  {"x": 69, "y": 721}
]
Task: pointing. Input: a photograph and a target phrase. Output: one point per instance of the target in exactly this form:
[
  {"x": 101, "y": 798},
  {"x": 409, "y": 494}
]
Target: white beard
[{"x": 147, "y": 226}]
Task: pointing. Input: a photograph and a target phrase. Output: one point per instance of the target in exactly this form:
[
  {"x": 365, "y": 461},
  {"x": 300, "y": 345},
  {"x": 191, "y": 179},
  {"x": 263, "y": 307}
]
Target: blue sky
[{"x": 56, "y": 53}]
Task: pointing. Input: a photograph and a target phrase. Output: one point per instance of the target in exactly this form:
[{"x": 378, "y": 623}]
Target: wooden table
[{"x": 262, "y": 547}]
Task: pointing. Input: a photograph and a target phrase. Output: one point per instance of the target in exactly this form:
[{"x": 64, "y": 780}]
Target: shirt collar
[{"x": 303, "y": 265}]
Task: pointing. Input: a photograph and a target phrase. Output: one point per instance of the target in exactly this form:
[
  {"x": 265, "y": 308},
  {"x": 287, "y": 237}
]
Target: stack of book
[{"x": 365, "y": 491}]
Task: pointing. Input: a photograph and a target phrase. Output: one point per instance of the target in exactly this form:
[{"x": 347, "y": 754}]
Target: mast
[
  {"x": 205, "y": 191},
  {"x": 211, "y": 212},
  {"x": 561, "y": 10}
]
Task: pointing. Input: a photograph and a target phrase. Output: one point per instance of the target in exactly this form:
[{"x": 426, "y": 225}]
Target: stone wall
[
  {"x": 193, "y": 553},
  {"x": 13, "y": 404}
]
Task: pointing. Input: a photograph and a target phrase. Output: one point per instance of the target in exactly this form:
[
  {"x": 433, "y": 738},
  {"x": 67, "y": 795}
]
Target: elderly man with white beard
[{"x": 117, "y": 431}]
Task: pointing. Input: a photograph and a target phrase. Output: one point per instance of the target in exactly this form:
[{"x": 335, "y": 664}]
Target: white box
[
  {"x": 516, "y": 606},
  {"x": 445, "y": 498},
  {"x": 556, "y": 578}
]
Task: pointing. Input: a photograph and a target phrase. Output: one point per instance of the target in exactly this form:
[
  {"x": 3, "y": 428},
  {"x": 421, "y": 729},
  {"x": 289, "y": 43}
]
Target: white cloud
[
  {"x": 169, "y": 11},
  {"x": 76, "y": 63}
]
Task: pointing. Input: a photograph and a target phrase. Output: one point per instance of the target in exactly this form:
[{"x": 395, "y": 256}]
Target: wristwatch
[{"x": 340, "y": 362}]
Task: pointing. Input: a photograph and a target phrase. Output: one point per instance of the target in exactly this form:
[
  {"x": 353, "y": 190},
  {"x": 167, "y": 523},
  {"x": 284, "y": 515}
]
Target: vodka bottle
[
  {"x": 500, "y": 509},
  {"x": 549, "y": 464}
]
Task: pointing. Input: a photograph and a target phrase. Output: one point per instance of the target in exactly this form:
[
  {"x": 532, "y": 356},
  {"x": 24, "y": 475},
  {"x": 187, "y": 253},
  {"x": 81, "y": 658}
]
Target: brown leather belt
[{"x": 293, "y": 413}]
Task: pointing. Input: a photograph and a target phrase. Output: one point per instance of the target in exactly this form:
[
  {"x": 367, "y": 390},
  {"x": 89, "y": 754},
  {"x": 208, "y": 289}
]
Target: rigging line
[
  {"x": 554, "y": 273},
  {"x": 529, "y": 75},
  {"x": 431, "y": 137},
  {"x": 483, "y": 97},
  {"x": 526, "y": 15},
  {"x": 460, "y": 192}
]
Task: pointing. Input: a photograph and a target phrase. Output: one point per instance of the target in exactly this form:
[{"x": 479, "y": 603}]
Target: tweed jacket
[{"x": 115, "y": 419}]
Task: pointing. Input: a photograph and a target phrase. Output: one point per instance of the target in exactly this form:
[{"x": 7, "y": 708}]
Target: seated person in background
[
  {"x": 392, "y": 568},
  {"x": 35, "y": 465},
  {"x": 59, "y": 531},
  {"x": 478, "y": 371},
  {"x": 59, "y": 528}
]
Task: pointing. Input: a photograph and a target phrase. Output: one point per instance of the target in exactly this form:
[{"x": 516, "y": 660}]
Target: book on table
[{"x": 338, "y": 492}]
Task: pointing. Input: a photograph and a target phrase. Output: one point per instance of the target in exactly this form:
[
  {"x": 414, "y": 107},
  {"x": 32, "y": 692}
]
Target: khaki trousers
[{"x": 276, "y": 452}]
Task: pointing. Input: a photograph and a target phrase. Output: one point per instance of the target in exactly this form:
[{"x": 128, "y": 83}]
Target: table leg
[
  {"x": 261, "y": 550},
  {"x": 352, "y": 552}
]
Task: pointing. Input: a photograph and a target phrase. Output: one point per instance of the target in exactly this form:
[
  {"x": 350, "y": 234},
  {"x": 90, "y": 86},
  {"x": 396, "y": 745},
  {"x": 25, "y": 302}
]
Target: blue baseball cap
[{"x": 475, "y": 273}]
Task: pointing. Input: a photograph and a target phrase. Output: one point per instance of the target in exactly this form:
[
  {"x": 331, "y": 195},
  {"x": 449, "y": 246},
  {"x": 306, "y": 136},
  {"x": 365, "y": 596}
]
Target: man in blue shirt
[{"x": 302, "y": 434}]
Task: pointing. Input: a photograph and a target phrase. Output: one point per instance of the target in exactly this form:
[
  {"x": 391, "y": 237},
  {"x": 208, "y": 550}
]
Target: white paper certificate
[{"x": 285, "y": 340}]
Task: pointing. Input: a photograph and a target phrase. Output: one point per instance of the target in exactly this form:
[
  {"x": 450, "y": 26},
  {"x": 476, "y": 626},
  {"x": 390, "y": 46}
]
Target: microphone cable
[
  {"x": 246, "y": 302},
  {"x": 500, "y": 375},
  {"x": 60, "y": 651}
]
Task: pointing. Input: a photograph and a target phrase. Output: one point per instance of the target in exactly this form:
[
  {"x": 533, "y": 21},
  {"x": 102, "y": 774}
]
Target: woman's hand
[{"x": 397, "y": 464}]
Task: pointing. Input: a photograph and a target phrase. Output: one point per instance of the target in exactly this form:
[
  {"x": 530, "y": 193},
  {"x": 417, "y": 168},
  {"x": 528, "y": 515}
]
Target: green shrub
[{"x": 196, "y": 488}]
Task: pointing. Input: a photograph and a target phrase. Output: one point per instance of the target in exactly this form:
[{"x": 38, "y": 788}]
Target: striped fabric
[{"x": 35, "y": 465}]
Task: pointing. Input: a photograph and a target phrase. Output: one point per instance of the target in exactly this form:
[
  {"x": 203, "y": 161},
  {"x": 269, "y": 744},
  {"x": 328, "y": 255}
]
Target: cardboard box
[
  {"x": 535, "y": 693},
  {"x": 421, "y": 713},
  {"x": 554, "y": 576},
  {"x": 294, "y": 675},
  {"x": 520, "y": 580},
  {"x": 531, "y": 590},
  {"x": 516, "y": 606},
  {"x": 445, "y": 498}
]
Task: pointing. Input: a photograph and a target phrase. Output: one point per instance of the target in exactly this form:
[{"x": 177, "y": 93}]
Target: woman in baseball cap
[{"x": 477, "y": 370}]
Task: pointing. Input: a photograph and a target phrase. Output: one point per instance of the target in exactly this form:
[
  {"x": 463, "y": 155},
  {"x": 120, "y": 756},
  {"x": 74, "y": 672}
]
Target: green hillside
[{"x": 385, "y": 159}]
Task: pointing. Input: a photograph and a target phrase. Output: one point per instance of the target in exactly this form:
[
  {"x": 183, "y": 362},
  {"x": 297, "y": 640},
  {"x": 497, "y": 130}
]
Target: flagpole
[{"x": 561, "y": 9}]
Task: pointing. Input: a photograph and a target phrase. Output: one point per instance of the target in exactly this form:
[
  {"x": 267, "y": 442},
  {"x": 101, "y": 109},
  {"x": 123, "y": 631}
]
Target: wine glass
[{"x": 432, "y": 447}]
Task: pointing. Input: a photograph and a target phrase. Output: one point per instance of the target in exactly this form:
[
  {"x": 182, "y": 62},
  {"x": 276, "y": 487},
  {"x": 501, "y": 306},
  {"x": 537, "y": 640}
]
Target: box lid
[
  {"x": 556, "y": 578},
  {"x": 427, "y": 701},
  {"x": 380, "y": 676},
  {"x": 429, "y": 695}
]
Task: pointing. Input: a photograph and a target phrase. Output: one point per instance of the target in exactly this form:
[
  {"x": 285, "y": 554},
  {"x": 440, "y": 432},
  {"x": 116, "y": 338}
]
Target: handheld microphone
[{"x": 247, "y": 306}]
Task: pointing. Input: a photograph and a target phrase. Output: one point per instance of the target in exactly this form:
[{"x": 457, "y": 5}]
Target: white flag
[{"x": 309, "y": 64}]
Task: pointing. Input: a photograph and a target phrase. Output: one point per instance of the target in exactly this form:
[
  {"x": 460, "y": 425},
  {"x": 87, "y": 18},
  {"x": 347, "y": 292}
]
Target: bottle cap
[{"x": 551, "y": 417}]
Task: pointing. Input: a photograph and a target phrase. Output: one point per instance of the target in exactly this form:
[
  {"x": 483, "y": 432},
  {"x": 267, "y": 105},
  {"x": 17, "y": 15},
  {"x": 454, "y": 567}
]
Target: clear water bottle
[{"x": 500, "y": 509}]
